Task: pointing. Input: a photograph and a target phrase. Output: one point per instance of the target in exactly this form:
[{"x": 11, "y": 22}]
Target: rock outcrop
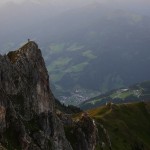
[
  {"x": 27, "y": 113},
  {"x": 86, "y": 133},
  {"x": 83, "y": 134}
]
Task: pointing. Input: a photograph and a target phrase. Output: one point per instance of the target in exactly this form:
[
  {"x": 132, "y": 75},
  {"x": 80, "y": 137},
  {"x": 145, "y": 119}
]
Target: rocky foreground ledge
[{"x": 27, "y": 116}]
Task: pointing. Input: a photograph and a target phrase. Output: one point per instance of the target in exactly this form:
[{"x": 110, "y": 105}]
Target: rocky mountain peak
[
  {"x": 30, "y": 50},
  {"x": 23, "y": 74},
  {"x": 27, "y": 117}
]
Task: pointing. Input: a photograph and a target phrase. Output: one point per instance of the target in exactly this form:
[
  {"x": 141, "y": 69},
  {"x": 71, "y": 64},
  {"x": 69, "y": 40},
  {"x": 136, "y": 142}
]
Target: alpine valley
[
  {"x": 89, "y": 49},
  {"x": 84, "y": 84}
]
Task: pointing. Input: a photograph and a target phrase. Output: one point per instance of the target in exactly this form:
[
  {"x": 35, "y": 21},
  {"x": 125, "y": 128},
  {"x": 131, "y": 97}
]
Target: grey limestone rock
[{"x": 27, "y": 113}]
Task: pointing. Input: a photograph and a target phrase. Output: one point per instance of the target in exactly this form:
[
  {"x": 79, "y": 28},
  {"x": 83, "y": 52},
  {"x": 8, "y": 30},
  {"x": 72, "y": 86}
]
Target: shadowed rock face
[
  {"x": 27, "y": 116},
  {"x": 83, "y": 133},
  {"x": 86, "y": 133},
  {"x": 24, "y": 74}
]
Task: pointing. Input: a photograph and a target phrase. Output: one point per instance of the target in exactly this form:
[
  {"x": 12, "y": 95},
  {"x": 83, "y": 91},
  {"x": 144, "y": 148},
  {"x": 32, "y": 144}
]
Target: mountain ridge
[
  {"x": 27, "y": 118},
  {"x": 121, "y": 126},
  {"x": 127, "y": 125},
  {"x": 31, "y": 118},
  {"x": 133, "y": 93}
]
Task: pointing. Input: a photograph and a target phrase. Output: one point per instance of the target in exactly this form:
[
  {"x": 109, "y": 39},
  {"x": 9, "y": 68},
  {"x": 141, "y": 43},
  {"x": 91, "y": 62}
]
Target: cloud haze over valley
[
  {"x": 90, "y": 46},
  {"x": 23, "y": 18}
]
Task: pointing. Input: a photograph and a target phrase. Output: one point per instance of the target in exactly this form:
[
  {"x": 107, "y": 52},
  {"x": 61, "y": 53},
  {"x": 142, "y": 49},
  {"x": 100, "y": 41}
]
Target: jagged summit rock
[
  {"x": 23, "y": 73},
  {"x": 29, "y": 49},
  {"x": 27, "y": 117}
]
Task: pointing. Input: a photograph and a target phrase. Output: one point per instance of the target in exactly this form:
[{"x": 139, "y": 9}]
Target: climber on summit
[{"x": 28, "y": 40}]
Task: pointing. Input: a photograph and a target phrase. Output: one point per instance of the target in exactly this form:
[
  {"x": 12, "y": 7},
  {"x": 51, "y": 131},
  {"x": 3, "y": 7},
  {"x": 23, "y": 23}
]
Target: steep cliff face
[
  {"x": 83, "y": 133},
  {"x": 27, "y": 116},
  {"x": 24, "y": 74}
]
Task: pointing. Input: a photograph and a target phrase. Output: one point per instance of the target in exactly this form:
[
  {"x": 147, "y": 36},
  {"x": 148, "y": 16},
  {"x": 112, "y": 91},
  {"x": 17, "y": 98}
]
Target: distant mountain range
[{"x": 135, "y": 93}]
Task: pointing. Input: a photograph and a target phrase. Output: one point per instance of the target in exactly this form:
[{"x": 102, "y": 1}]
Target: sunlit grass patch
[
  {"x": 77, "y": 68},
  {"x": 89, "y": 54}
]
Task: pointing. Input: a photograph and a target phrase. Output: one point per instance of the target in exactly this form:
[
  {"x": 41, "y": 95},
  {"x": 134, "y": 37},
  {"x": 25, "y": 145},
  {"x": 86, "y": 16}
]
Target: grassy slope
[{"x": 127, "y": 124}]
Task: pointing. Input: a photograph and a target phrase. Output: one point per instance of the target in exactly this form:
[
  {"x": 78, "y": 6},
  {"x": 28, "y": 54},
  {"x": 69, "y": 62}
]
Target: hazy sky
[
  {"x": 41, "y": 1},
  {"x": 19, "y": 1},
  {"x": 24, "y": 16},
  {"x": 138, "y": 4},
  {"x": 130, "y": 3}
]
